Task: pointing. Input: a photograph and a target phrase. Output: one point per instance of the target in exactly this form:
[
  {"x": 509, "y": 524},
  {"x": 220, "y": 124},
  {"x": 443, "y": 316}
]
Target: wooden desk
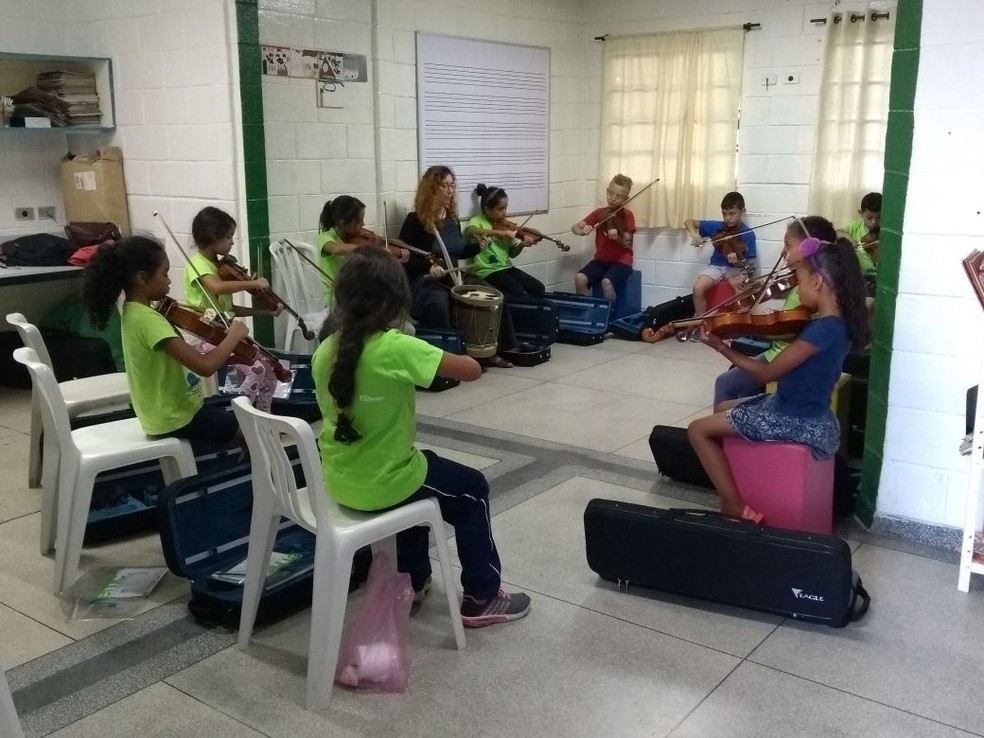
[{"x": 35, "y": 290}]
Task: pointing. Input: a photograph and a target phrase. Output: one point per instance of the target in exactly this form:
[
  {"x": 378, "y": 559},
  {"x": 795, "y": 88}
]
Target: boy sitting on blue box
[{"x": 612, "y": 262}]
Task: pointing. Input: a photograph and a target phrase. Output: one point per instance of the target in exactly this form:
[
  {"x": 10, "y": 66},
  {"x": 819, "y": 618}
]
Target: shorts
[
  {"x": 756, "y": 419},
  {"x": 718, "y": 273},
  {"x": 615, "y": 272}
]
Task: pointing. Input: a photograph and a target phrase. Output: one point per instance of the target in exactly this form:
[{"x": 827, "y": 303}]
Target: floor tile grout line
[
  {"x": 46, "y": 627},
  {"x": 703, "y": 699},
  {"x": 212, "y": 707},
  {"x": 855, "y": 694}
]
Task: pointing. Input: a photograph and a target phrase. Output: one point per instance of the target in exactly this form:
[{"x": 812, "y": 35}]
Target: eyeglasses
[
  {"x": 615, "y": 195},
  {"x": 447, "y": 185}
]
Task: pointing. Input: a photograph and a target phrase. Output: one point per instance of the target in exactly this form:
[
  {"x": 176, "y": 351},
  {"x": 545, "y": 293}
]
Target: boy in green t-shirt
[{"x": 864, "y": 232}]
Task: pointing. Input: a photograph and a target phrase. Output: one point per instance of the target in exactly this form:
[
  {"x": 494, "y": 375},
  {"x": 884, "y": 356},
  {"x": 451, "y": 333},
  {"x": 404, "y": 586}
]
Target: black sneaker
[{"x": 502, "y": 608}]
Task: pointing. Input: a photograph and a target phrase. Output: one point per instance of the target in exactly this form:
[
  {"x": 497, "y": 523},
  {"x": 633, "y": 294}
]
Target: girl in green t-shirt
[
  {"x": 500, "y": 243},
  {"x": 341, "y": 231},
  {"x": 213, "y": 231},
  {"x": 162, "y": 369},
  {"x": 365, "y": 373}
]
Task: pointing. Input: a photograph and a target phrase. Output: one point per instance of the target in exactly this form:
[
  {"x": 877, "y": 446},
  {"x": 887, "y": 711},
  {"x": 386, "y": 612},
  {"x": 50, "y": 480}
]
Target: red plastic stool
[
  {"x": 718, "y": 293},
  {"x": 783, "y": 482}
]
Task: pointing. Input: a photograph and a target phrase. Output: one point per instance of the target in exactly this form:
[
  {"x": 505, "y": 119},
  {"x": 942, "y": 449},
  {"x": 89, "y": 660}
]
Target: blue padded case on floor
[{"x": 583, "y": 320}]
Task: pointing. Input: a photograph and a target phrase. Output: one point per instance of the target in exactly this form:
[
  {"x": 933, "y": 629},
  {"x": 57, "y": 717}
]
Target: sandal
[
  {"x": 752, "y": 515},
  {"x": 497, "y": 361}
]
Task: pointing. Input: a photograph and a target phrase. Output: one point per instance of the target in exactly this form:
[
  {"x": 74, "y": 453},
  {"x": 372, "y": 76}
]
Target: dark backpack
[{"x": 36, "y": 250}]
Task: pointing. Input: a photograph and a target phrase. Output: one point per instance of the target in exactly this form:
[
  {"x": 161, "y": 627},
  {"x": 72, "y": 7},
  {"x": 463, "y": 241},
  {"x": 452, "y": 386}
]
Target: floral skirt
[{"x": 757, "y": 419}]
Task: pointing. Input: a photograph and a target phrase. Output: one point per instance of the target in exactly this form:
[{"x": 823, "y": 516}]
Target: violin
[
  {"x": 524, "y": 231},
  {"x": 365, "y": 237},
  {"x": 869, "y": 242},
  {"x": 728, "y": 241},
  {"x": 194, "y": 322},
  {"x": 615, "y": 217},
  {"x": 232, "y": 271},
  {"x": 764, "y": 288},
  {"x": 776, "y": 325}
]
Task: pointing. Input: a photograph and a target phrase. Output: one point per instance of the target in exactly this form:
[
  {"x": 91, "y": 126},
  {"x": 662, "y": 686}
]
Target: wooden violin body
[
  {"x": 728, "y": 241},
  {"x": 231, "y": 270},
  {"x": 194, "y": 322},
  {"x": 522, "y": 231},
  {"x": 365, "y": 237},
  {"x": 869, "y": 242}
]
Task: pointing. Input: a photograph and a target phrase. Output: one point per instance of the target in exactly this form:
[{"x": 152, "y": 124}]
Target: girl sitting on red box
[{"x": 831, "y": 285}]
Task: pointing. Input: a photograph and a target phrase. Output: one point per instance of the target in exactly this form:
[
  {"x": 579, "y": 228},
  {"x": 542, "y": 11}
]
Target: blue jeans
[
  {"x": 735, "y": 384},
  {"x": 463, "y": 495}
]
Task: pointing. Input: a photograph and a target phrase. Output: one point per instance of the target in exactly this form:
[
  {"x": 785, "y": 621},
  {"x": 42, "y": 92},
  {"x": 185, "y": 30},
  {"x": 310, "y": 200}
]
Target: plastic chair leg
[
  {"x": 49, "y": 497},
  {"x": 72, "y": 518},
  {"x": 327, "y": 618},
  {"x": 262, "y": 535},
  {"x": 35, "y": 452},
  {"x": 447, "y": 573},
  {"x": 179, "y": 466},
  {"x": 386, "y": 546},
  {"x": 9, "y": 724}
]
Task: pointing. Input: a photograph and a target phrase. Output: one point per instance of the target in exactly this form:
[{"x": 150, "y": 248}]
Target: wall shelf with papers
[{"x": 92, "y": 105}]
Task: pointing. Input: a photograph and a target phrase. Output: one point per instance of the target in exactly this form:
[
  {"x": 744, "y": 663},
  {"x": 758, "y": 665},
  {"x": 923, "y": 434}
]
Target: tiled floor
[{"x": 588, "y": 661}]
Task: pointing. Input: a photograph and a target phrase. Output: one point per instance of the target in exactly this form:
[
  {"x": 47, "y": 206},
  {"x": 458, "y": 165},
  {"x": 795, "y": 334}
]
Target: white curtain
[
  {"x": 850, "y": 145},
  {"x": 670, "y": 110}
]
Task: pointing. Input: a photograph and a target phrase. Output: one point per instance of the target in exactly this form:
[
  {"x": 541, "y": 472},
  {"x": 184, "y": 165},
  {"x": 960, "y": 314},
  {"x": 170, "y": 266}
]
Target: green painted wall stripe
[
  {"x": 898, "y": 154},
  {"x": 254, "y": 150}
]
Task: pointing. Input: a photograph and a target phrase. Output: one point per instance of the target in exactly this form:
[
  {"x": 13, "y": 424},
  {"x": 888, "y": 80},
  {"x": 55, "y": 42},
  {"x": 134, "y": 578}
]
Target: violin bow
[
  {"x": 208, "y": 295},
  {"x": 619, "y": 209},
  {"x": 763, "y": 225},
  {"x": 455, "y": 276},
  {"x": 324, "y": 275}
]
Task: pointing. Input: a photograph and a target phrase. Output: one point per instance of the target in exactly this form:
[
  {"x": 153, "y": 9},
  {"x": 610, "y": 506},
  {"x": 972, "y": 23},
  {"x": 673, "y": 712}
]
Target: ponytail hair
[
  {"x": 340, "y": 210},
  {"x": 210, "y": 225},
  {"x": 838, "y": 265},
  {"x": 371, "y": 295},
  {"x": 113, "y": 268},
  {"x": 489, "y": 197}
]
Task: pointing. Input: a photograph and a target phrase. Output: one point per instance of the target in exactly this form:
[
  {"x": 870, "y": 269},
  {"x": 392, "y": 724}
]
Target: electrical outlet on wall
[
  {"x": 792, "y": 78},
  {"x": 22, "y": 213},
  {"x": 46, "y": 212}
]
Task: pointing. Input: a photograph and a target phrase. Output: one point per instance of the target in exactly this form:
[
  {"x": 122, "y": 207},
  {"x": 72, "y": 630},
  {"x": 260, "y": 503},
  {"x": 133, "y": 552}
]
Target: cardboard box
[{"x": 94, "y": 189}]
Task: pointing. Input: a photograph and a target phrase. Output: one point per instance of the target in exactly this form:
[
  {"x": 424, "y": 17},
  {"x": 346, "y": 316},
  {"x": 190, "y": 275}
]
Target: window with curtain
[
  {"x": 670, "y": 110},
  {"x": 849, "y": 155}
]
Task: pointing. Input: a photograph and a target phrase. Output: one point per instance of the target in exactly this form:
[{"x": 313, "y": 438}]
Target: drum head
[{"x": 478, "y": 295}]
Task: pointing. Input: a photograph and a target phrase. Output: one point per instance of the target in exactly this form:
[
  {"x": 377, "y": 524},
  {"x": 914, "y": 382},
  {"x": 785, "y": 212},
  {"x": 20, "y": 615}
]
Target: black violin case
[{"x": 710, "y": 556}]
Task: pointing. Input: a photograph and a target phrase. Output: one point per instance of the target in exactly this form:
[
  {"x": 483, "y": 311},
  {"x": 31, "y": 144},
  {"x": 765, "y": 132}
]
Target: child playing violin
[
  {"x": 737, "y": 241},
  {"x": 364, "y": 378},
  {"x": 831, "y": 285},
  {"x": 162, "y": 369},
  {"x": 499, "y": 244},
  {"x": 213, "y": 231},
  {"x": 342, "y": 230},
  {"x": 864, "y": 231},
  {"x": 612, "y": 263},
  {"x": 736, "y": 383}
]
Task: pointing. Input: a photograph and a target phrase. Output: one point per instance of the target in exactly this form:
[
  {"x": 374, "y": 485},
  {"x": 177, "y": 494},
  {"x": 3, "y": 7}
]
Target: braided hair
[
  {"x": 113, "y": 268},
  {"x": 371, "y": 295},
  {"x": 489, "y": 196}
]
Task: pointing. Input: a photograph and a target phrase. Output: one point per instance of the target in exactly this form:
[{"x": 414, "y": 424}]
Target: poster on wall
[{"x": 331, "y": 69}]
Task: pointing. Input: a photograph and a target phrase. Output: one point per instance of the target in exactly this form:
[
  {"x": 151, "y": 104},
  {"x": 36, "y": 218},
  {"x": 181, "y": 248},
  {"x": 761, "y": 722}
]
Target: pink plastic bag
[{"x": 374, "y": 653}]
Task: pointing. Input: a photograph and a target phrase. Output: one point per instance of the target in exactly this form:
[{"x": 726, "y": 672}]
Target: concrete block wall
[
  {"x": 30, "y": 173},
  {"x": 175, "y": 106},
  {"x": 936, "y": 353}
]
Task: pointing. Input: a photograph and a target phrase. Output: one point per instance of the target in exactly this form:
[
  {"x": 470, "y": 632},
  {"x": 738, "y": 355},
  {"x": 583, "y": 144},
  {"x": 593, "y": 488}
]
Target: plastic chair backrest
[
  {"x": 305, "y": 291},
  {"x": 31, "y": 336},
  {"x": 54, "y": 414},
  {"x": 267, "y": 437}
]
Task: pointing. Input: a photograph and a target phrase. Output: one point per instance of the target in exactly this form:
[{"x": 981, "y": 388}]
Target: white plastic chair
[
  {"x": 340, "y": 532},
  {"x": 305, "y": 291},
  {"x": 81, "y": 395},
  {"x": 79, "y": 455},
  {"x": 9, "y": 723}
]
